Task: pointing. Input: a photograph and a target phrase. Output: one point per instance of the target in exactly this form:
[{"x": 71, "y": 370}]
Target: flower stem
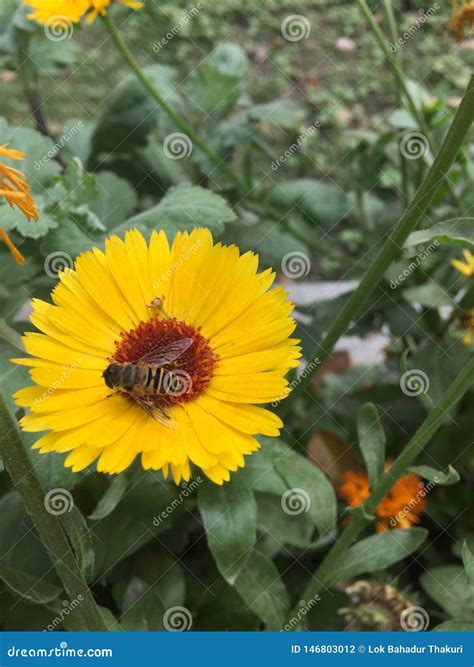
[
  {"x": 49, "y": 529},
  {"x": 391, "y": 53},
  {"x": 394, "y": 243},
  {"x": 177, "y": 119},
  {"x": 323, "y": 575},
  {"x": 10, "y": 335}
]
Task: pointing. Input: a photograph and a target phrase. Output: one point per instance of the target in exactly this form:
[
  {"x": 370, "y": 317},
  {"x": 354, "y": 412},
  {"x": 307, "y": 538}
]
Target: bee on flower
[
  {"x": 162, "y": 352},
  {"x": 15, "y": 189}
]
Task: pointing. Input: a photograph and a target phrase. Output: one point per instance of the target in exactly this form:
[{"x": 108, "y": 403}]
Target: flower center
[{"x": 179, "y": 349}]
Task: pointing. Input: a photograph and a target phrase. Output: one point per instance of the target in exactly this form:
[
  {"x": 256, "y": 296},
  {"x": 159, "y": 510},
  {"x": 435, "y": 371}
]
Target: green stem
[
  {"x": 10, "y": 335},
  {"x": 323, "y": 575},
  {"x": 401, "y": 82},
  {"x": 177, "y": 119},
  {"x": 49, "y": 529},
  {"x": 393, "y": 61},
  {"x": 394, "y": 243}
]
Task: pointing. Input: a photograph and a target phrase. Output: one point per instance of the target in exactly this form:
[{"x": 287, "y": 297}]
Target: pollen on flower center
[{"x": 188, "y": 375}]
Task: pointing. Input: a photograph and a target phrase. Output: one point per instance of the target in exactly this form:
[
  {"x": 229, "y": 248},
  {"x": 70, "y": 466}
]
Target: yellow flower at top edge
[
  {"x": 161, "y": 352},
  {"x": 16, "y": 191},
  {"x": 58, "y": 12},
  {"x": 401, "y": 507},
  {"x": 467, "y": 267}
]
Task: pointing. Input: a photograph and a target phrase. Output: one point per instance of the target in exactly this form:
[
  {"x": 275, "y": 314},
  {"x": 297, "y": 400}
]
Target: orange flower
[
  {"x": 462, "y": 16},
  {"x": 401, "y": 507},
  {"x": 16, "y": 191}
]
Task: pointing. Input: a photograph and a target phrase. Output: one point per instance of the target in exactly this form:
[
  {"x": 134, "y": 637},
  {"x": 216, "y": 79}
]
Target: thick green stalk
[
  {"x": 392, "y": 247},
  {"x": 323, "y": 576},
  {"x": 49, "y": 529}
]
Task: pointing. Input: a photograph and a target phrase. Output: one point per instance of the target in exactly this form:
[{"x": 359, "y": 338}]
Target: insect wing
[
  {"x": 165, "y": 354},
  {"x": 157, "y": 413}
]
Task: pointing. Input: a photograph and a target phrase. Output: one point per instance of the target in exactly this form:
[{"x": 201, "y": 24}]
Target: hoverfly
[{"x": 146, "y": 379}]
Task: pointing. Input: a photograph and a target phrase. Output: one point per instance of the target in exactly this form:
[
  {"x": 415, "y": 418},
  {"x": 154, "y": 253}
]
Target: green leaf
[
  {"x": 28, "y": 587},
  {"x": 448, "y": 586},
  {"x": 430, "y": 295},
  {"x": 378, "y": 552},
  {"x": 371, "y": 441},
  {"x": 111, "y": 498},
  {"x": 326, "y": 204},
  {"x": 437, "y": 476},
  {"x": 185, "y": 207},
  {"x": 454, "y": 626},
  {"x": 307, "y": 487},
  {"x": 456, "y": 231},
  {"x": 285, "y": 114},
  {"x": 468, "y": 561},
  {"x": 116, "y": 199},
  {"x": 130, "y": 113},
  {"x": 142, "y": 608},
  {"x": 229, "y": 515},
  {"x": 80, "y": 537},
  {"x": 273, "y": 522},
  {"x": 262, "y": 589}
]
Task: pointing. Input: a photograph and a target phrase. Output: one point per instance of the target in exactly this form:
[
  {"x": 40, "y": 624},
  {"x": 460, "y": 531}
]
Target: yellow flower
[
  {"x": 465, "y": 323},
  {"x": 16, "y": 191},
  {"x": 130, "y": 307},
  {"x": 59, "y": 12},
  {"x": 467, "y": 268},
  {"x": 101, "y": 7}
]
